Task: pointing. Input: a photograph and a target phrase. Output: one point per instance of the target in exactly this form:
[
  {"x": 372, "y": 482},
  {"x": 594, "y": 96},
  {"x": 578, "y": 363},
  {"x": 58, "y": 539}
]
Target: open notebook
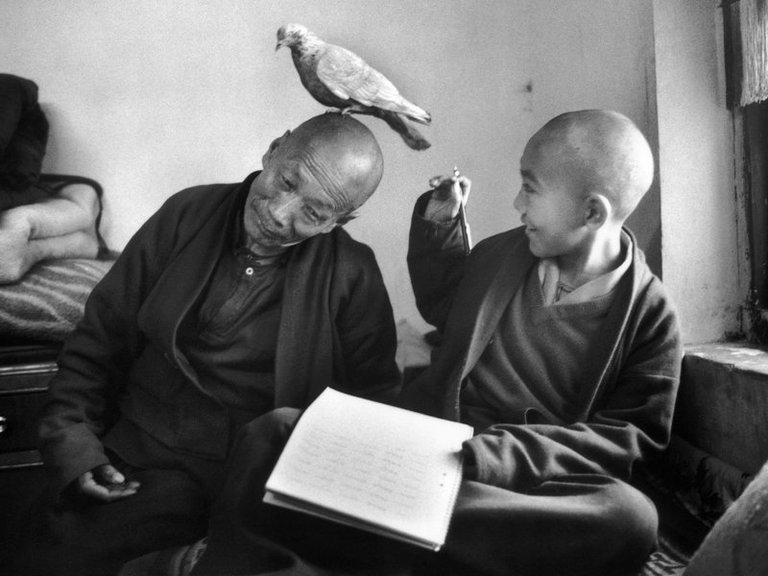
[{"x": 373, "y": 466}]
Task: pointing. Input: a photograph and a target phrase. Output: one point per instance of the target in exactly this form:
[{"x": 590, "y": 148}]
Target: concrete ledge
[{"x": 722, "y": 405}]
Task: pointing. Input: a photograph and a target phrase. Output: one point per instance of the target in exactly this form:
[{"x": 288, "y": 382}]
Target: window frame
[{"x": 750, "y": 140}]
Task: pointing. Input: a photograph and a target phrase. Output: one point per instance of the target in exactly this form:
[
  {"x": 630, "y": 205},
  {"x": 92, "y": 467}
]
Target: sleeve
[
  {"x": 435, "y": 262},
  {"x": 82, "y": 397},
  {"x": 633, "y": 421},
  {"x": 366, "y": 328}
]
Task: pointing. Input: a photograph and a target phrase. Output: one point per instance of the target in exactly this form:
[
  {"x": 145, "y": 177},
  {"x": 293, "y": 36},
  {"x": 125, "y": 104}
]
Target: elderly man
[{"x": 230, "y": 302}]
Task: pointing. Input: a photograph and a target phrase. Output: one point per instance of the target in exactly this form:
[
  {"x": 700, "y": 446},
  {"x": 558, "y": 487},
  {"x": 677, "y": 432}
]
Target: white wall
[
  {"x": 149, "y": 97},
  {"x": 599, "y": 54},
  {"x": 698, "y": 208}
]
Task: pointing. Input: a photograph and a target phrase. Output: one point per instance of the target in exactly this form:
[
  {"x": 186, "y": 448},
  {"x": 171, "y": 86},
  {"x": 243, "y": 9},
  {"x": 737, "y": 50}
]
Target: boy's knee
[{"x": 630, "y": 531}]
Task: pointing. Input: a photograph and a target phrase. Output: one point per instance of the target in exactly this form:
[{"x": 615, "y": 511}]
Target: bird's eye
[{"x": 287, "y": 182}]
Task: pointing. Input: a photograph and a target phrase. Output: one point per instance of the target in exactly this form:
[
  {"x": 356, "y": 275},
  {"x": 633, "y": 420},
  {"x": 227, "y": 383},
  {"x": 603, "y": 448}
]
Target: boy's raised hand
[{"x": 448, "y": 193}]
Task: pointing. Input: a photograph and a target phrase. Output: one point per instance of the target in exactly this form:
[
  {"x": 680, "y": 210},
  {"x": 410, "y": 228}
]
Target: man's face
[
  {"x": 551, "y": 211},
  {"x": 298, "y": 195}
]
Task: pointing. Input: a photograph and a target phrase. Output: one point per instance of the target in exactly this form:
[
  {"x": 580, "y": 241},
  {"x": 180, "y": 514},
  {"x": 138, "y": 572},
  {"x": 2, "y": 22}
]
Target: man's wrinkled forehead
[{"x": 310, "y": 164}]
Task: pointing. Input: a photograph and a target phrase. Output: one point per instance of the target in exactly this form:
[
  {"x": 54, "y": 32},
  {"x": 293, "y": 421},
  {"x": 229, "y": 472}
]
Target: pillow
[{"x": 46, "y": 304}]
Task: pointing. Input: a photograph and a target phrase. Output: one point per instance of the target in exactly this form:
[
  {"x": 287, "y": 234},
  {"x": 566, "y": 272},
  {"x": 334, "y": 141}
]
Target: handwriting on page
[
  {"x": 373, "y": 466},
  {"x": 381, "y": 479}
]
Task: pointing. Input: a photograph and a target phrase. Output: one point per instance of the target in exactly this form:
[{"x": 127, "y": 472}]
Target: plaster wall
[
  {"x": 698, "y": 206},
  {"x": 150, "y": 97}
]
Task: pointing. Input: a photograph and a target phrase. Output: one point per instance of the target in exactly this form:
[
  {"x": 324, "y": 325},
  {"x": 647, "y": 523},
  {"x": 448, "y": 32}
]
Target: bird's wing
[{"x": 350, "y": 77}]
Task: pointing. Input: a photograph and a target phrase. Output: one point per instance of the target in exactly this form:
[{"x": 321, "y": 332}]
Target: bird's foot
[{"x": 352, "y": 109}]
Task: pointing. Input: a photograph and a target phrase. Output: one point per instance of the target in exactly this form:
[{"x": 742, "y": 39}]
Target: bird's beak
[{"x": 278, "y": 46}]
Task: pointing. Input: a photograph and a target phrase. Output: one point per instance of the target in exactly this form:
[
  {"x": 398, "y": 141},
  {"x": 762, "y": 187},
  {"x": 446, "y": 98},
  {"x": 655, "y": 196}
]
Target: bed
[{"x": 37, "y": 313}]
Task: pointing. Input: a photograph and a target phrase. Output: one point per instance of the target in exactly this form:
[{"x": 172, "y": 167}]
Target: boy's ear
[
  {"x": 272, "y": 147},
  {"x": 598, "y": 210}
]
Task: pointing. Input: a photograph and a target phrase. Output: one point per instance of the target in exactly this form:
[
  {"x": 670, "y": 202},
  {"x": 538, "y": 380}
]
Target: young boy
[{"x": 560, "y": 347}]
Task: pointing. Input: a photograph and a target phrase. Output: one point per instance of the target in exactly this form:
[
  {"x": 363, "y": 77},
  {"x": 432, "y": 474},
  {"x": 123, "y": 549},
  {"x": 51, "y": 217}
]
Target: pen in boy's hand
[{"x": 462, "y": 216}]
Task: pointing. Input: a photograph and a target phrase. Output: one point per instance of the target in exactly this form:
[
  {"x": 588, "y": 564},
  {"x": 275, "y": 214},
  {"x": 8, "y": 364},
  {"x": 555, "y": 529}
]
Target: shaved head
[
  {"x": 343, "y": 152},
  {"x": 599, "y": 151},
  {"x": 313, "y": 179}
]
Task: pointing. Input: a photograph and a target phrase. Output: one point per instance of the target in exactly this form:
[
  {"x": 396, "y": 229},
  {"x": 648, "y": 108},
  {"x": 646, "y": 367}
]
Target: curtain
[{"x": 753, "y": 24}]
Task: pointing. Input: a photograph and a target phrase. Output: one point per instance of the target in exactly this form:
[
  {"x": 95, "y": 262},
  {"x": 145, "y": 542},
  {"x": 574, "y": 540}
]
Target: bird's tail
[
  {"x": 409, "y": 134},
  {"x": 413, "y": 112}
]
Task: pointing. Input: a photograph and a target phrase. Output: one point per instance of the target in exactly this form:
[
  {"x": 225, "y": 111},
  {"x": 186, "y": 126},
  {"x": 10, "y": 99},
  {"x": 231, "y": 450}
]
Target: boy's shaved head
[{"x": 599, "y": 151}]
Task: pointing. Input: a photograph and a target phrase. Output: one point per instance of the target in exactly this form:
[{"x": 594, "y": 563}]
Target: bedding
[{"x": 46, "y": 304}]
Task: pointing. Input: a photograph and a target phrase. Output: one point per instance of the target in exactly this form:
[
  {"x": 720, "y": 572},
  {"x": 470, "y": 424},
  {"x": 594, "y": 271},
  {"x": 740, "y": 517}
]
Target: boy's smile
[{"x": 549, "y": 209}]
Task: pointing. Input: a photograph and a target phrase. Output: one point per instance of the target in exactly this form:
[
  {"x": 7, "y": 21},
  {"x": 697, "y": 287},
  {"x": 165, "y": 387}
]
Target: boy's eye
[{"x": 527, "y": 189}]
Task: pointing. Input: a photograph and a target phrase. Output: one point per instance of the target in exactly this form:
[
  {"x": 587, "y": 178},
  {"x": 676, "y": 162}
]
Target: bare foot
[{"x": 14, "y": 247}]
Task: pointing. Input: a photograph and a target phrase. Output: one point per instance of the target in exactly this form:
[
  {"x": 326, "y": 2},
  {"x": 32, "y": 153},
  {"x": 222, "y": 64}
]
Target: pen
[{"x": 463, "y": 218}]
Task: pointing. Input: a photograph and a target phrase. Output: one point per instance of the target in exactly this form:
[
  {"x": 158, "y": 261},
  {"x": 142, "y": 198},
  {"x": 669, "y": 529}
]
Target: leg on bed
[{"x": 62, "y": 226}]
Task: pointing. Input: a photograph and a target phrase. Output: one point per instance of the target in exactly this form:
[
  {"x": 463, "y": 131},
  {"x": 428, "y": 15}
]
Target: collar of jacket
[{"x": 304, "y": 361}]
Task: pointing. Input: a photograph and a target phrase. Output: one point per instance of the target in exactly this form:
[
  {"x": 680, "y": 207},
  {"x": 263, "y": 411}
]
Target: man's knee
[
  {"x": 275, "y": 424},
  {"x": 269, "y": 431}
]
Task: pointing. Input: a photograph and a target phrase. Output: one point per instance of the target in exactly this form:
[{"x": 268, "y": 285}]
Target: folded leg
[{"x": 575, "y": 525}]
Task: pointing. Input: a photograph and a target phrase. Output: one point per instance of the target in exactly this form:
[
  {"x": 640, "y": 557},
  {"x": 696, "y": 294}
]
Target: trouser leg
[
  {"x": 580, "y": 524},
  {"x": 235, "y": 544},
  {"x": 247, "y": 536},
  {"x": 96, "y": 539}
]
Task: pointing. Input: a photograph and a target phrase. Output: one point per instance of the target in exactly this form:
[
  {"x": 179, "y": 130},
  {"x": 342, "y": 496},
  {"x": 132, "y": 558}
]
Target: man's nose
[{"x": 282, "y": 209}]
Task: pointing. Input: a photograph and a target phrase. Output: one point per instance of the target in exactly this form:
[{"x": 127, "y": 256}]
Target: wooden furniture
[{"x": 24, "y": 374}]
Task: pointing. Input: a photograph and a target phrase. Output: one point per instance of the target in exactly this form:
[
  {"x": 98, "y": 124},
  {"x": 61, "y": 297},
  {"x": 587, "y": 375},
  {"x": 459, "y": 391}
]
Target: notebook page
[{"x": 385, "y": 465}]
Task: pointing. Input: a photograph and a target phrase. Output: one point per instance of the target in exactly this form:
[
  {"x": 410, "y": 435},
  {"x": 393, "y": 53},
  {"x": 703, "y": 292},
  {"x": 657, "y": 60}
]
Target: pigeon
[{"x": 339, "y": 78}]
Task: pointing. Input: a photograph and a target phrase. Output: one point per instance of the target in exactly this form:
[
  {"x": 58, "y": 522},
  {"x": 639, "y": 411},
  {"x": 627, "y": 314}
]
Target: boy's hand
[
  {"x": 105, "y": 483},
  {"x": 449, "y": 192}
]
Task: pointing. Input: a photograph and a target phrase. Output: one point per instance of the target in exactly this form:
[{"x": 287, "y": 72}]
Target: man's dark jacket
[{"x": 123, "y": 362}]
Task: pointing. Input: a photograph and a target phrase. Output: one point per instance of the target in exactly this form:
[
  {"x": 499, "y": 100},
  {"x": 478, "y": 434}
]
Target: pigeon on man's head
[{"x": 338, "y": 78}]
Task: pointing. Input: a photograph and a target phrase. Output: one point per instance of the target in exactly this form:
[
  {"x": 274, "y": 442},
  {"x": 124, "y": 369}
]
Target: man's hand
[
  {"x": 449, "y": 193},
  {"x": 104, "y": 483}
]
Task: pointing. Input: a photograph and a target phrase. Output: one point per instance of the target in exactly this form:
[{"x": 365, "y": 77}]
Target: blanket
[{"x": 47, "y": 303}]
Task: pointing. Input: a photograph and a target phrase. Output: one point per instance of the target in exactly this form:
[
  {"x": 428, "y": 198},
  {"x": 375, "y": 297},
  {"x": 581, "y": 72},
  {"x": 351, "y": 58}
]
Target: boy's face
[{"x": 549, "y": 207}]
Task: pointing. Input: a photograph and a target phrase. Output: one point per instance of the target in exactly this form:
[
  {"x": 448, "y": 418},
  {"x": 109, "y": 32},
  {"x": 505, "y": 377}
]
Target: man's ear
[
  {"x": 598, "y": 210},
  {"x": 348, "y": 217},
  {"x": 329, "y": 228},
  {"x": 272, "y": 147},
  {"x": 340, "y": 221}
]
